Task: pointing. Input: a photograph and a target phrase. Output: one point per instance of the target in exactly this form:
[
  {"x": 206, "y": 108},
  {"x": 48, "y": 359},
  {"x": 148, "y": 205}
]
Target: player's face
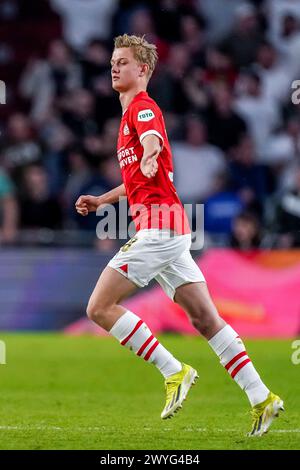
[{"x": 125, "y": 70}]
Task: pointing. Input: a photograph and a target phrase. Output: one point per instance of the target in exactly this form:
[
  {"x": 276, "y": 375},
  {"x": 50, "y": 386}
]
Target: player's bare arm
[
  {"x": 88, "y": 203},
  {"x": 152, "y": 149}
]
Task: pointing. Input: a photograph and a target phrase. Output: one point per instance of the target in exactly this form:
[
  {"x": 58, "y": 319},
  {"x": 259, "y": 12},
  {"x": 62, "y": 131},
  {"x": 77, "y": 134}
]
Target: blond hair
[{"x": 143, "y": 51}]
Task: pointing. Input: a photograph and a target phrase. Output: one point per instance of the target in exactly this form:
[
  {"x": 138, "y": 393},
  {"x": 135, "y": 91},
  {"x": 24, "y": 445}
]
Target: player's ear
[{"x": 143, "y": 70}]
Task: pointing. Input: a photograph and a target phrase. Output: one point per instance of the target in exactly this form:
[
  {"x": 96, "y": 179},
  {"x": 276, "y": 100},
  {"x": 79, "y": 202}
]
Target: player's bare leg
[
  {"x": 195, "y": 299},
  {"x": 105, "y": 310},
  {"x": 103, "y": 307}
]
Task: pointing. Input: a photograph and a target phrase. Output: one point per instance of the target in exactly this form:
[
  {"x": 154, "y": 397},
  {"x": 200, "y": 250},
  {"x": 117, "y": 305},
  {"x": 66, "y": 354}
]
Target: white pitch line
[
  {"x": 285, "y": 430},
  {"x": 59, "y": 428}
]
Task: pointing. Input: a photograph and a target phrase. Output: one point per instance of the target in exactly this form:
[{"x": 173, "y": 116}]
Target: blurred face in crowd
[
  {"x": 245, "y": 229},
  {"x": 266, "y": 56},
  {"x": 126, "y": 71},
  {"x": 196, "y": 132},
  {"x": 290, "y": 26},
  {"x": 191, "y": 33},
  {"x": 19, "y": 128},
  {"x": 250, "y": 84},
  {"x": 58, "y": 53},
  {"x": 98, "y": 54},
  {"x": 111, "y": 130},
  {"x": 141, "y": 23},
  {"x": 190, "y": 27},
  {"x": 216, "y": 60},
  {"x": 245, "y": 151},
  {"x": 247, "y": 23},
  {"x": 110, "y": 135},
  {"x": 36, "y": 182},
  {"x": 297, "y": 180},
  {"x": 293, "y": 128},
  {"x": 179, "y": 58},
  {"x": 222, "y": 98},
  {"x": 253, "y": 86},
  {"x": 82, "y": 103}
]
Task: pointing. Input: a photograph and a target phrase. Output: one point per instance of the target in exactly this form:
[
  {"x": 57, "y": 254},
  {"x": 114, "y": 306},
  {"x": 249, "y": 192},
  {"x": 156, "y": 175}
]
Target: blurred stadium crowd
[{"x": 224, "y": 83}]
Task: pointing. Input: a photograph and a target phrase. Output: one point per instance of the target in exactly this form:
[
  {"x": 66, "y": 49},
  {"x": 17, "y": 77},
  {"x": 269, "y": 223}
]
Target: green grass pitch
[{"x": 61, "y": 392}]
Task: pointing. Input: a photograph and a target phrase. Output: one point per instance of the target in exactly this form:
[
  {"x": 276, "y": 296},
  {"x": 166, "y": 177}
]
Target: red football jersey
[{"x": 153, "y": 202}]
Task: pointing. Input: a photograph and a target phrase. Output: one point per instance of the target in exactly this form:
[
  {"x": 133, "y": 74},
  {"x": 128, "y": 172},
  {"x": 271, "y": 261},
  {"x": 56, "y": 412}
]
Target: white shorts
[{"x": 155, "y": 254}]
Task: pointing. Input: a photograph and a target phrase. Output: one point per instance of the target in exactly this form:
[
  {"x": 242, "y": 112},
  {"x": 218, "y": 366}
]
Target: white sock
[
  {"x": 133, "y": 333},
  {"x": 233, "y": 356}
]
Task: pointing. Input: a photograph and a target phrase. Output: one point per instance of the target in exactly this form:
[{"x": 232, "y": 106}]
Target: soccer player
[{"x": 161, "y": 247}]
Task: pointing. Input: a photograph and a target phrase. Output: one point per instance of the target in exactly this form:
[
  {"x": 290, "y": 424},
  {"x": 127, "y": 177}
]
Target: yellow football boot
[
  {"x": 177, "y": 387},
  {"x": 264, "y": 413}
]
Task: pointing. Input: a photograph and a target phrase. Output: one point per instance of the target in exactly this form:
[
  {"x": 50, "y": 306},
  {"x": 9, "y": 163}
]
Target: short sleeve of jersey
[{"x": 147, "y": 120}]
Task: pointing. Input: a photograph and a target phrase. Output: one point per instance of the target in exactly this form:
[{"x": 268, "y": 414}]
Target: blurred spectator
[
  {"x": 84, "y": 20},
  {"x": 94, "y": 63},
  {"x": 244, "y": 39},
  {"x": 107, "y": 101},
  {"x": 196, "y": 163},
  {"x": 287, "y": 220},
  {"x": 37, "y": 208},
  {"x": 21, "y": 147},
  {"x": 167, "y": 86},
  {"x": 261, "y": 113},
  {"x": 193, "y": 37},
  {"x": 141, "y": 23},
  {"x": 276, "y": 73},
  {"x": 110, "y": 137},
  {"x": 79, "y": 114},
  {"x": 277, "y": 10},
  {"x": 219, "y": 15},
  {"x": 246, "y": 232},
  {"x": 225, "y": 126},
  {"x": 93, "y": 147},
  {"x": 79, "y": 174},
  {"x": 54, "y": 134},
  {"x": 96, "y": 184},
  {"x": 252, "y": 181},
  {"x": 168, "y": 17},
  {"x": 174, "y": 125},
  {"x": 288, "y": 42},
  {"x": 110, "y": 170},
  {"x": 219, "y": 67},
  {"x": 282, "y": 153},
  {"x": 56, "y": 138},
  {"x": 122, "y": 15},
  {"x": 196, "y": 90},
  {"x": 47, "y": 80},
  {"x": 225, "y": 69},
  {"x": 9, "y": 10},
  {"x": 8, "y": 210},
  {"x": 221, "y": 208}
]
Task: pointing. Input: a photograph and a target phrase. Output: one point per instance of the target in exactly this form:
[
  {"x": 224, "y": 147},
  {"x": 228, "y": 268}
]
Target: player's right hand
[{"x": 86, "y": 204}]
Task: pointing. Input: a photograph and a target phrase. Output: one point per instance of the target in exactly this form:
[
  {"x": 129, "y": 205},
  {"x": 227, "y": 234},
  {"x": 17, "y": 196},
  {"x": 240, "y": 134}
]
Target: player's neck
[{"x": 127, "y": 96}]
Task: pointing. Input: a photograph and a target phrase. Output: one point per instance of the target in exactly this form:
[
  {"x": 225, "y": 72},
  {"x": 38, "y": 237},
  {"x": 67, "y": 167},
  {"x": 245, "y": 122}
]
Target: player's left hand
[{"x": 149, "y": 165}]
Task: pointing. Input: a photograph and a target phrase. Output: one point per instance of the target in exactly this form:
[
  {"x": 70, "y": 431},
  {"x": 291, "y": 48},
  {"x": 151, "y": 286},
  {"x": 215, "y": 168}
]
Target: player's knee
[
  {"x": 205, "y": 329},
  {"x": 203, "y": 326},
  {"x": 96, "y": 312},
  {"x": 203, "y": 322}
]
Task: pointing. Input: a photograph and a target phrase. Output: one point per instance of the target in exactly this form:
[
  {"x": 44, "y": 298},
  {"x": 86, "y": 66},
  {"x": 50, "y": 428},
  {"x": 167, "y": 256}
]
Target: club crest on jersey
[
  {"x": 145, "y": 115},
  {"x": 126, "y": 130}
]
